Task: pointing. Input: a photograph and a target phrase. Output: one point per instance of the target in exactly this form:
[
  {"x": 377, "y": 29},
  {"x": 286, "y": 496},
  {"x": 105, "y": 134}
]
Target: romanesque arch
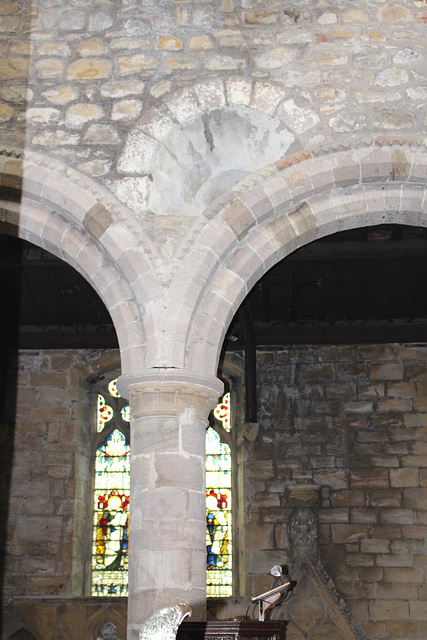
[
  {"x": 82, "y": 224},
  {"x": 296, "y": 205}
]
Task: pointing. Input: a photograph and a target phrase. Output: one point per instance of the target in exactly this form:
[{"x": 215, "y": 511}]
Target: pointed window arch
[
  {"x": 219, "y": 524},
  {"x": 111, "y": 475},
  {"x": 110, "y": 495}
]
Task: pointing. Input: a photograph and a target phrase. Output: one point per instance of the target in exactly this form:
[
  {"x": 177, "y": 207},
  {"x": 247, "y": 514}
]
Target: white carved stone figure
[{"x": 163, "y": 625}]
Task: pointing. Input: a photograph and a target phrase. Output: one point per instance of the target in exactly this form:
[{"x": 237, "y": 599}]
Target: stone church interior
[{"x": 213, "y": 326}]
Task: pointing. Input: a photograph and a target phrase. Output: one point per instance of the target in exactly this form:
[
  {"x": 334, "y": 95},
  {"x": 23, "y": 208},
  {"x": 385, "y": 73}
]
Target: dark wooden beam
[
  {"x": 349, "y": 334},
  {"x": 78, "y": 338}
]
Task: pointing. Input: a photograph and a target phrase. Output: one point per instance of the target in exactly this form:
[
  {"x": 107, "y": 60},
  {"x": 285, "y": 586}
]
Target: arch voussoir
[{"x": 349, "y": 189}]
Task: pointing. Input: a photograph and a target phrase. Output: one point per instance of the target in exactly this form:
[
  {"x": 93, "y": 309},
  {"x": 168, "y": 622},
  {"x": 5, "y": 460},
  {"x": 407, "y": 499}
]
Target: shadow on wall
[
  {"x": 9, "y": 328},
  {"x": 21, "y": 634}
]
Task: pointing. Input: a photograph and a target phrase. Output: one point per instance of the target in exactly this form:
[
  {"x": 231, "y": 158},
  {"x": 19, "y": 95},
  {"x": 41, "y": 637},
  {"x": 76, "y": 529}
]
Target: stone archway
[
  {"x": 264, "y": 223},
  {"x": 83, "y": 225}
]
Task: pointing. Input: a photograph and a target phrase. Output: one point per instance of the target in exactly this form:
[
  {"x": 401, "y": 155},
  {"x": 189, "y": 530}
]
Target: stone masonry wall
[
  {"x": 98, "y": 84},
  {"x": 353, "y": 421},
  {"x": 48, "y": 530}
]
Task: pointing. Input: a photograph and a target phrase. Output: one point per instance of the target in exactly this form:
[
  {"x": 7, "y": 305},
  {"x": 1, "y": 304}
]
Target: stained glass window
[
  {"x": 218, "y": 510},
  {"x": 222, "y": 412},
  {"x": 110, "y": 538},
  {"x": 104, "y": 413}
]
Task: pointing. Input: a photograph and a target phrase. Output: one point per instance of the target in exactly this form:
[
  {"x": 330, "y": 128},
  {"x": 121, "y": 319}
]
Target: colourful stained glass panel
[
  {"x": 125, "y": 413},
  {"x": 222, "y": 412},
  {"x": 111, "y": 518},
  {"x": 112, "y": 389},
  {"x": 104, "y": 413},
  {"x": 218, "y": 516}
]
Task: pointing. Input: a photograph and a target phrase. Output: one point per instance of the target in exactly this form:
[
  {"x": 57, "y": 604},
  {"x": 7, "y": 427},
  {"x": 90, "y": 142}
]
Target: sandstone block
[
  {"x": 8, "y": 23},
  {"x": 406, "y": 477},
  {"x": 348, "y": 533},
  {"x": 136, "y": 63},
  {"x": 337, "y": 479},
  {"x": 231, "y": 38},
  {"x": 89, "y": 69},
  {"x": 6, "y": 112},
  {"x": 389, "y": 610},
  {"x": 403, "y": 574},
  {"x": 327, "y": 18},
  {"x": 374, "y": 545},
  {"x": 397, "y": 516},
  {"x": 394, "y": 119},
  {"x": 395, "y": 405},
  {"x": 224, "y": 63},
  {"x": 81, "y": 113},
  {"x": 394, "y": 13},
  {"x": 122, "y": 88},
  {"x": 101, "y": 134},
  {"x": 355, "y": 15},
  {"x": 13, "y": 68},
  {"x": 200, "y": 43},
  {"x": 91, "y": 47},
  {"x": 260, "y": 16},
  {"x": 169, "y": 43},
  {"x": 369, "y": 478},
  {"x": 402, "y": 629},
  {"x": 49, "y": 68},
  {"x": 61, "y": 94},
  {"x": 415, "y": 498},
  {"x": 54, "y": 49},
  {"x": 386, "y": 371},
  {"x": 386, "y": 498},
  {"x": 126, "y": 109},
  {"x": 180, "y": 62}
]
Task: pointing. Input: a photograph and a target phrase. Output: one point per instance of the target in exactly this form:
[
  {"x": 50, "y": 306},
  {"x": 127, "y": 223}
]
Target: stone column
[{"x": 167, "y": 558}]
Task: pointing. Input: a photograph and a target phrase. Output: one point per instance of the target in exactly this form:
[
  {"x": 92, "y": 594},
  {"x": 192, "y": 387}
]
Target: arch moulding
[
  {"x": 80, "y": 222},
  {"x": 269, "y": 218}
]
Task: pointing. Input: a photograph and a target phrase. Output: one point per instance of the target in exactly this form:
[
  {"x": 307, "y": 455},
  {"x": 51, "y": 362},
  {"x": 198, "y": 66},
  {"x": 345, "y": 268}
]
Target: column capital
[{"x": 168, "y": 391}]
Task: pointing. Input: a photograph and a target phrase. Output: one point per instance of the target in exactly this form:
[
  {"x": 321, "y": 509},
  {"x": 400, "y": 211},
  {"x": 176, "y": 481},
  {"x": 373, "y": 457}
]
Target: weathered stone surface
[
  {"x": 394, "y": 119},
  {"x": 348, "y": 120},
  {"x": 394, "y": 13},
  {"x": 89, "y": 69},
  {"x": 100, "y": 134},
  {"x": 122, "y": 88},
  {"x": 14, "y": 68},
  {"x": 392, "y": 78},
  {"x": 79, "y": 114},
  {"x": 45, "y": 115},
  {"x": 135, "y": 64},
  {"x": 126, "y": 110},
  {"x": 91, "y": 47},
  {"x": 6, "y": 112},
  {"x": 61, "y": 94},
  {"x": 49, "y": 68}
]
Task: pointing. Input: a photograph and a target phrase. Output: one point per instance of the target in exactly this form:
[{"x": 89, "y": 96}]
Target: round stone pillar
[{"x": 167, "y": 530}]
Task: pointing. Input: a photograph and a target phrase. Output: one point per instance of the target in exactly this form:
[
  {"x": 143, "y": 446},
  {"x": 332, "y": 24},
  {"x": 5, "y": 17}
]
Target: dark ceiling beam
[
  {"x": 348, "y": 334},
  {"x": 97, "y": 338}
]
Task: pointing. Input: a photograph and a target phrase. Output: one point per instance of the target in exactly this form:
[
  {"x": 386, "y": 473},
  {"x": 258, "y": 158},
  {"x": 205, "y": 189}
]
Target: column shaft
[{"x": 167, "y": 558}]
